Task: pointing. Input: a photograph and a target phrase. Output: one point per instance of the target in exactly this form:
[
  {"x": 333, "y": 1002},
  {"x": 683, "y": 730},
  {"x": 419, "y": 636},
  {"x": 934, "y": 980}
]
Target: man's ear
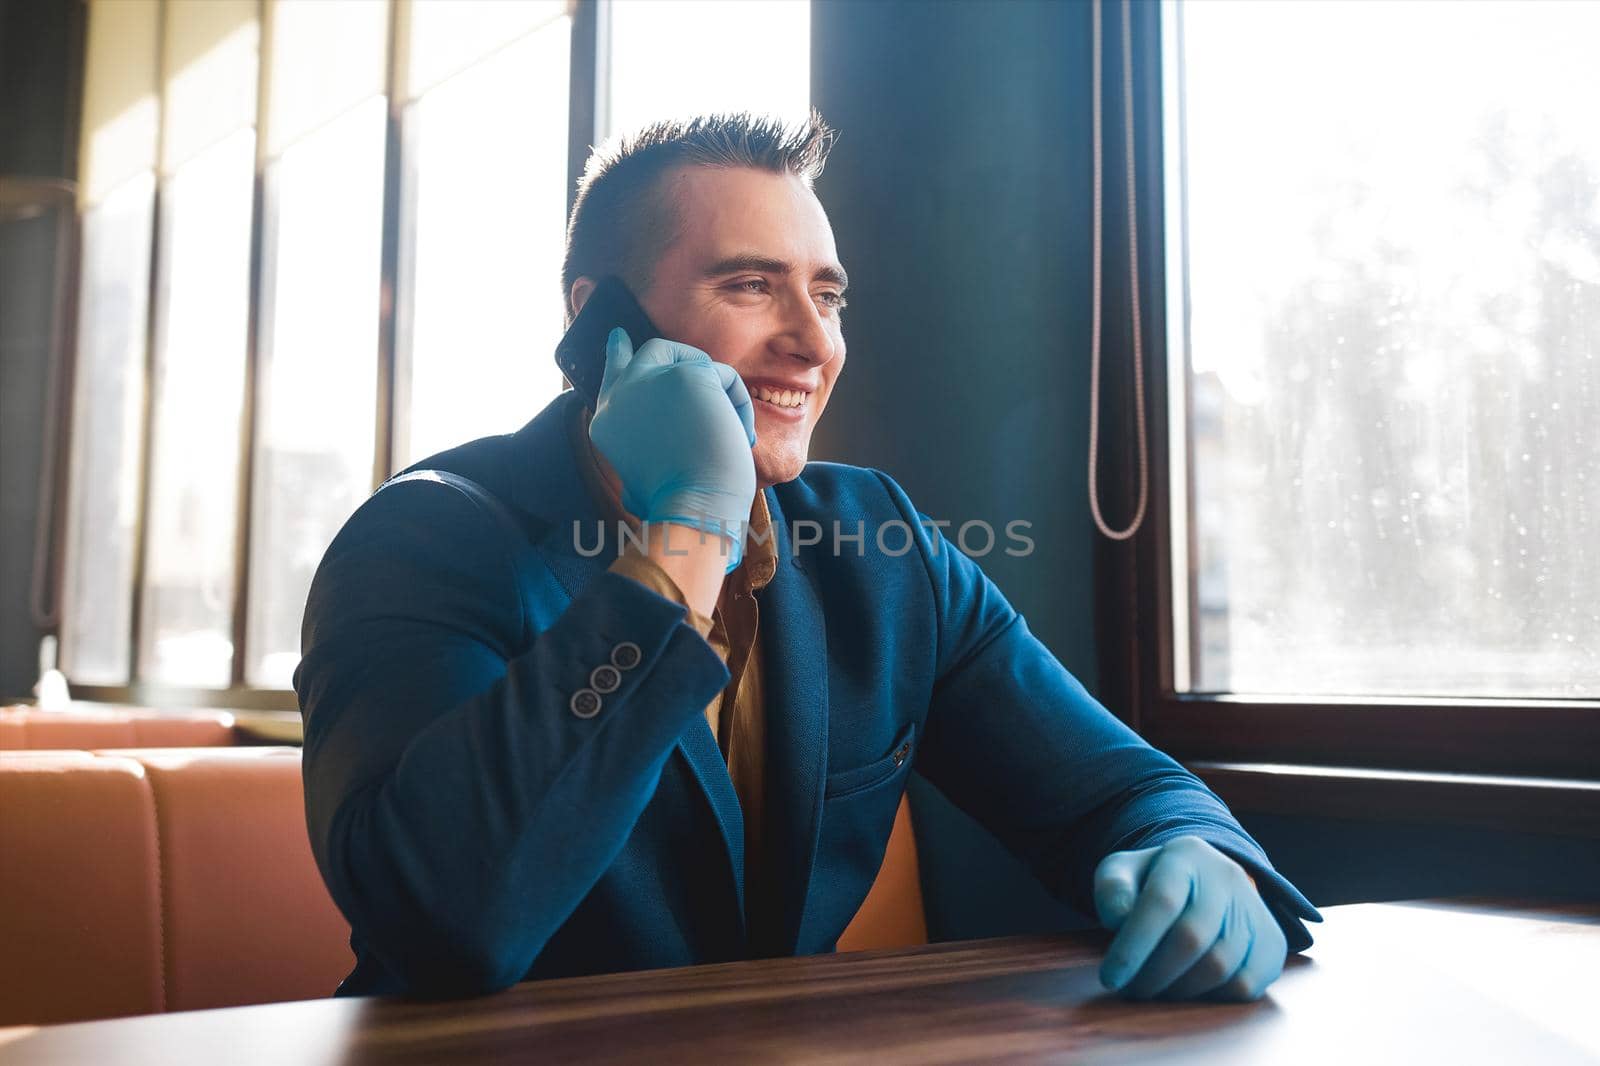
[{"x": 579, "y": 295}]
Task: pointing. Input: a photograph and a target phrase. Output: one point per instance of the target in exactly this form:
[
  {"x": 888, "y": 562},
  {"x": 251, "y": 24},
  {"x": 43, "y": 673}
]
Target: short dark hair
[{"x": 623, "y": 218}]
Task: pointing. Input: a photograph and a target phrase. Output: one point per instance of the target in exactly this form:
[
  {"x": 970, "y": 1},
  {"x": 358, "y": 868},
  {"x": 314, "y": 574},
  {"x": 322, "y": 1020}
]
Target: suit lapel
[
  {"x": 795, "y": 658},
  {"x": 550, "y": 486}
]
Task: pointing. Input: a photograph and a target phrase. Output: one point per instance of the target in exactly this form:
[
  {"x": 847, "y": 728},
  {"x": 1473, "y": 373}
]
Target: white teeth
[{"x": 779, "y": 397}]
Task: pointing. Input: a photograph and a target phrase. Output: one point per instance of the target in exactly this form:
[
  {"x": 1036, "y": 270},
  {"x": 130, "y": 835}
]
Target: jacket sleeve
[
  {"x": 1017, "y": 742},
  {"x": 459, "y": 809}
]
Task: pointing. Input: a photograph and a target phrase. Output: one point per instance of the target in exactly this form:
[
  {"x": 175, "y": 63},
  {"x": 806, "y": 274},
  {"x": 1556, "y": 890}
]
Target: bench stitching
[{"x": 161, "y": 887}]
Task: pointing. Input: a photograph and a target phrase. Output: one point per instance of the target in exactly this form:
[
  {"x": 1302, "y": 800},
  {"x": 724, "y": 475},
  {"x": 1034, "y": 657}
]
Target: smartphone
[{"x": 581, "y": 355}]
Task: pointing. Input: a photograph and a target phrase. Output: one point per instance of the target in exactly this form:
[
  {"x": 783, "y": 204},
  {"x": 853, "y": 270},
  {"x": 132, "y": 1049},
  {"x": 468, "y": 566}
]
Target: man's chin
[{"x": 776, "y": 471}]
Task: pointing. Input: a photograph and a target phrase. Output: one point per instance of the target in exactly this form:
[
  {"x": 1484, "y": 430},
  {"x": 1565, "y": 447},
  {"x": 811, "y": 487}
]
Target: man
[{"x": 530, "y": 757}]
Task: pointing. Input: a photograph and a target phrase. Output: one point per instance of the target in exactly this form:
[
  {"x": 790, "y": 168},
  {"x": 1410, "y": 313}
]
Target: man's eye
[{"x": 833, "y": 300}]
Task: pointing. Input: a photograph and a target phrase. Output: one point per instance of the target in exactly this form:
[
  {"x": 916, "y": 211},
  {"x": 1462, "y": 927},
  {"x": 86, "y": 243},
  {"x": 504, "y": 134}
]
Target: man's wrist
[
  {"x": 679, "y": 531},
  {"x": 696, "y": 561},
  {"x": 635, "y": 564}
]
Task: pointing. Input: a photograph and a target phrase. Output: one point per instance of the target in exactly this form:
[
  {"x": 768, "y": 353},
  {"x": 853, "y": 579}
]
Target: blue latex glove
[
  {"x": 1188, "y": 923},
  {"x": 677, "y": 427}
]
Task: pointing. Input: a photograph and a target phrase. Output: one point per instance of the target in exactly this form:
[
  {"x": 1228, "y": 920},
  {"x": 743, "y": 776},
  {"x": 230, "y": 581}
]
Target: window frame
[{"x": 1530, "y": 764}]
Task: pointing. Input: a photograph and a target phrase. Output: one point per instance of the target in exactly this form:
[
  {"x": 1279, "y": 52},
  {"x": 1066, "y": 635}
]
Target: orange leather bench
[
  {"x": 113, "y": 727},
  {"x": 151, "y": 880}
]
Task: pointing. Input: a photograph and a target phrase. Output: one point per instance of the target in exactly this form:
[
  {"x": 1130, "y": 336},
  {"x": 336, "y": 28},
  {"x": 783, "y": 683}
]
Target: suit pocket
[{"x": 878, "y": 772}]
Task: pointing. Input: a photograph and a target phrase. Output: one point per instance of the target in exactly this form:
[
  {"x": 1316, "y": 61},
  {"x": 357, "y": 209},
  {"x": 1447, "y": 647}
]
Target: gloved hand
[
  {"x": 1188, "y": 922},
  {"x": 677, "y": 427}
]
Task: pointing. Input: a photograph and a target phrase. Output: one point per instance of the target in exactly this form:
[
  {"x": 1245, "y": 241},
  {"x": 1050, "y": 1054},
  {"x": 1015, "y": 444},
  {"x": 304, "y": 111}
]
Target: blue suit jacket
[{"x": 477, "y": 832}]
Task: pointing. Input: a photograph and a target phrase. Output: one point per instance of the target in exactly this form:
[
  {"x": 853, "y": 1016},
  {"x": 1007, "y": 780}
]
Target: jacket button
[
  {"x": 626, "y": 656},
  {"x": 585, "y": 703},
  {"x": 604, "y": 679},
  {"x": 901, "y": 753}
]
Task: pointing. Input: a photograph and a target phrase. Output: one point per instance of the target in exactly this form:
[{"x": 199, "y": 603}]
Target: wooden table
[{"x": 1411, "y": 983}]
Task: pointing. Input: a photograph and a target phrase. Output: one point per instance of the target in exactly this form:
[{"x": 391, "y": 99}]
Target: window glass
[
  {"x": 319, "y": 371},
  {"x": 121, "y": 104},
  {"x": 103, "y": 508},
  {"x": 117, "y": 160},
  {"x": 481, "y": 287},
  {"x": 317, "y": 349},
  {"x": 724, "y": 57},
  {"x": 186, "y": 620},
  {"x": 210, "y": 56},
  {"x": 208, "y": 150},
  {"x": 327, "y": 57},
  {"x": 448, "y": 36},
  {"x": 1384, "y": 255}
]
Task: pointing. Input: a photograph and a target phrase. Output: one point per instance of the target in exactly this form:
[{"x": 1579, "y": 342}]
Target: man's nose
[{"x": 806, "y": 333}]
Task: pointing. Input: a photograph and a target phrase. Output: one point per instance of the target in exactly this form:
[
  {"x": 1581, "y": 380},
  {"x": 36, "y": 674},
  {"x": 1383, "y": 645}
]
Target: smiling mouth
[{"x": 787, "y": 399}]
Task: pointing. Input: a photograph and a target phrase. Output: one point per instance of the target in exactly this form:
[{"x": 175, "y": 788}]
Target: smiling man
[{"x": 526, "y": 758}]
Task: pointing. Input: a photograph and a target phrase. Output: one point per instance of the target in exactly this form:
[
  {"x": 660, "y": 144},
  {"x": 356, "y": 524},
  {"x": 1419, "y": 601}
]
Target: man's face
[{"x": 754, "y": 281}]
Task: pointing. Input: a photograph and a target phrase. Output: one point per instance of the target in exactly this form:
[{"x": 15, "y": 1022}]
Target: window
[
  {"x": 316, "y": 381},
  {"x": 201, "y": 315},
  {"x": 328, "y": 234},
  {"x": 1370, "y": 273},
  {"x": 726, "y": 57},
  {"x": 1392, "y": 283},
  {"x": 470, "y": 361}
]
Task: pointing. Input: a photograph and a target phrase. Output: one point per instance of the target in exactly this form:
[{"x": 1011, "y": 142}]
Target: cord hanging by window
[{"x": 1133, "y": 275}]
